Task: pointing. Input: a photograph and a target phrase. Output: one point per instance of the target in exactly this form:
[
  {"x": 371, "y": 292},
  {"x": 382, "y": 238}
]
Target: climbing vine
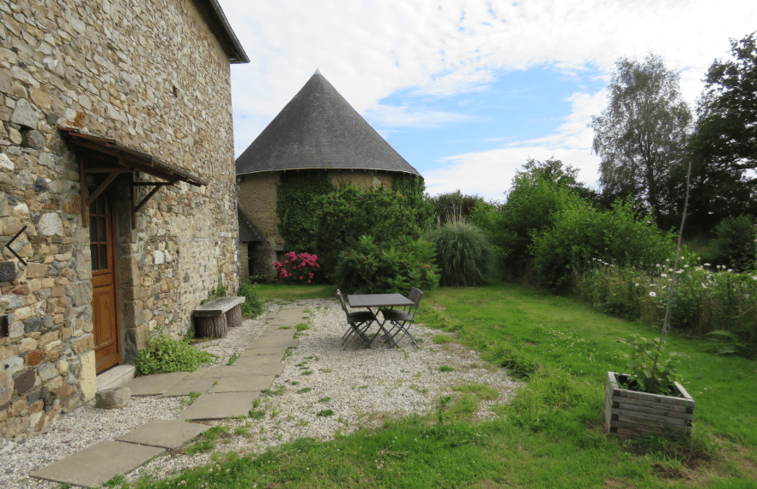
[
  {"x": 296, "y": 195},
  {"x": 414, "y": 187}
]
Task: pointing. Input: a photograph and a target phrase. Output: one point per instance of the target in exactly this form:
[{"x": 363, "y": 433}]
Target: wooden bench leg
[
  {"x": 234, "y": 317},
  {"x": 211, "y": 327}
]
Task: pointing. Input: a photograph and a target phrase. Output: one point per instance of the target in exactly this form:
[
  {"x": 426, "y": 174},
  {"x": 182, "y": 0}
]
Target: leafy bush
[
  {"x": 717, "y": 301},
  {"x": 370, "y": 267},
  {"x": 253, "y": 305},
  {"x": 641, "y": 364},
  {"x": 734, "y": 243},
  {"x": 351, "y": 212},
  {"x": 298, "y": 267},
  {"x": 165, "y": 355},
  {"x": 463, "y": 254},
  {"x": 581, "y": 234}
]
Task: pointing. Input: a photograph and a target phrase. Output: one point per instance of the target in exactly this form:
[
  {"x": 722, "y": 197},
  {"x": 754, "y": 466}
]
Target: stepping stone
[
  {"x": 164, "y": 433},
  {"x": 268, "y": 351},
  {"x": 94, "y": 466},
  {"x": 186, "y": 386},
  {"x": 250, "y": 383},
  {"x": 251, "y": 365},
  {"x": 154, "y": 385},
  {"x": 279, "y": 341},
  {"x": 221, "y": 406}
]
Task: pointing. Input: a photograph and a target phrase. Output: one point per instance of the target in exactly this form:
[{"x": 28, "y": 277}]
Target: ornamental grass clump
[{"x": 463, "y": 254}]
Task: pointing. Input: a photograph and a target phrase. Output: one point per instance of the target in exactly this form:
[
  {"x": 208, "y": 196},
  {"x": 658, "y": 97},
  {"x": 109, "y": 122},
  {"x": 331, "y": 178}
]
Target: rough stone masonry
[{"x": 154, "y": 77}]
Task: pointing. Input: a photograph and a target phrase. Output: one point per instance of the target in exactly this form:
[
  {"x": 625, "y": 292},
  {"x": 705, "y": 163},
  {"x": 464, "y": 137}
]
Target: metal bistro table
[{"x": 378, "y": 301}]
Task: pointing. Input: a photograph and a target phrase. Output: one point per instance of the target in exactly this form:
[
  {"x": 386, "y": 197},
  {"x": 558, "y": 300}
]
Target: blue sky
[{"x": 467, "y": 90}]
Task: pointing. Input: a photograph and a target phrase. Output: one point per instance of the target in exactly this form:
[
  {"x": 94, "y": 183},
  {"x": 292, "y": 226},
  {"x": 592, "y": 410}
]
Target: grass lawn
[{"x": 550, "y": 436}]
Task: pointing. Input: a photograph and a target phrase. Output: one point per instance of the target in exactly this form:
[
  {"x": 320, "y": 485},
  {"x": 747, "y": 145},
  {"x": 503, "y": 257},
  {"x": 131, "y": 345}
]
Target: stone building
[
  {"x": 318, "y": 130},
  {"x": 117, "y": 192}
]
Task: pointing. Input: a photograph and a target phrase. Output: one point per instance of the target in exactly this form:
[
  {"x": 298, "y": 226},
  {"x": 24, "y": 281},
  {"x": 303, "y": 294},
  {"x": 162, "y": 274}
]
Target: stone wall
[
  {"x": 257, "y": 197},
  {"x": 152, "y": 76}
]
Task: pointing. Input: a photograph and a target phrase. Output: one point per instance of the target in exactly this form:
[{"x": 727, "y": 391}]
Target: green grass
[
  {"x": 291, "y": 293},
  {"x": 549, "y": 436}
]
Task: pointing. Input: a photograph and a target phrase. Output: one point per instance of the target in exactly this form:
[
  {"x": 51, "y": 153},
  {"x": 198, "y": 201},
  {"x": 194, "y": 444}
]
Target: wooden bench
[{"x": 213, "y": 319}]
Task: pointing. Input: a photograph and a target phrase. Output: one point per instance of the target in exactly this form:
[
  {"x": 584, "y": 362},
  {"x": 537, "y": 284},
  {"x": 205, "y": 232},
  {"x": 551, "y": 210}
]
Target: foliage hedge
[
  {"x": 296, "y": 196},
  {"x": 369, "y": 267}
]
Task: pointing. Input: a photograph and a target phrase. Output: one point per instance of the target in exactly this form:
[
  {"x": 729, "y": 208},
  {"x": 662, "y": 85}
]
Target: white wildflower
[
  {"x": 652, "y": 294},
  {"x": 707, "y": 265},
  {"x": 663, "y": 275}
]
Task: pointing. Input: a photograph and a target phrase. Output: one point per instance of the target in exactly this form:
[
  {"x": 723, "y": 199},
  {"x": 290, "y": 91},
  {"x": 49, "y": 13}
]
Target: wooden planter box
[{"x": 631, "y": 414}]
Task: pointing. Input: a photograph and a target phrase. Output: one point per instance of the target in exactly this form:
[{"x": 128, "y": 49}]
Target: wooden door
[{"x": 104, "y": 300}]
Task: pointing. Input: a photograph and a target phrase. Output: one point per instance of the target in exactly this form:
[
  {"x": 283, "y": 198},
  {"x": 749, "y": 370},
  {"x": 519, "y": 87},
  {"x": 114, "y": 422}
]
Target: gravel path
[{"x": 356, "y": 384}]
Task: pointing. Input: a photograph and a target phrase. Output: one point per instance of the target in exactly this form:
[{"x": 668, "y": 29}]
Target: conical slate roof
[{"x": 318, "y": 129}]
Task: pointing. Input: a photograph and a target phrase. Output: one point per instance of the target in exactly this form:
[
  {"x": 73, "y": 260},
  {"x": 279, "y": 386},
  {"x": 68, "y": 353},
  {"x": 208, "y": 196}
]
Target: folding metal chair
[
  {"x": 401, "y": 320},
  {"x": 359, "y": 323}
]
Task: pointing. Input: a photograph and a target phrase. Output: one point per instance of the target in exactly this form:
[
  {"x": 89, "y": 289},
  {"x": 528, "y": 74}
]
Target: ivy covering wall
[
  {"x": 414, "y": 187},
  {"x": 296, "y": 195}
]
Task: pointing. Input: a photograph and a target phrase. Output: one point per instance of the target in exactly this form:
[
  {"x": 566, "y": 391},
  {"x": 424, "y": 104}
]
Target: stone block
[
  {"x": 25, "y": 115},
  {"x": 88, "y": 378},
  {"x": 117, "y": 397},
  {"x": 83, "y": 344},
  {"x": 7, "y": 271},
  {"x": 36, "y": 270},
  {"x": 6, "y": 388},
  {"x": 24, "y": 382}
]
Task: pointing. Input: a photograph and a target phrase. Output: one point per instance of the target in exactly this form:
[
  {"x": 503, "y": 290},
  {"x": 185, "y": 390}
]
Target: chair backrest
[
  {"x": 415, "y": 295},
  {"x": 341, "y": 301}
]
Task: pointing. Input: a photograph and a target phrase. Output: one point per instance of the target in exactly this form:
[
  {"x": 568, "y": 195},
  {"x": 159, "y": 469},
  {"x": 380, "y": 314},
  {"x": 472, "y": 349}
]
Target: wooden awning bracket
[
  {"x": 117, "y": 159},
  {"x": 135, "y": 208}
]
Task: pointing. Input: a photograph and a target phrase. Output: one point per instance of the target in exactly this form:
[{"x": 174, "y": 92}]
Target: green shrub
[
  {"x": 351, "y": 212},
  {"x": 253, "y": 305},
  {"x": 370, "y": 267},
  {"x": 734, "y": 243},
  {"x": 463, "y": 254},
  {"x": 165, "y": 355},
  {"x": 581, "y": 234}
]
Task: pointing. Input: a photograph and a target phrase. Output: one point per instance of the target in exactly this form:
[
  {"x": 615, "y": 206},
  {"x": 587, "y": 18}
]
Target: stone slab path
[{"x": 225, "y": 392}]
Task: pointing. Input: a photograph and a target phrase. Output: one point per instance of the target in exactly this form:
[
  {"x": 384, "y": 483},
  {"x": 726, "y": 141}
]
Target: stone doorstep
[
  {"x": 164, "y": 433},
  {"x": 97, "y": 464},
  {"x": 220, "y": 406},
  {"x": 115, "y": 377},
  {"x": 154, "y": 385}
]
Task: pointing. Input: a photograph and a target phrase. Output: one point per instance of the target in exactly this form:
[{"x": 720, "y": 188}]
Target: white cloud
[
  {"x": 490, "y": 173},
  {"x": 431, "y": 49}
]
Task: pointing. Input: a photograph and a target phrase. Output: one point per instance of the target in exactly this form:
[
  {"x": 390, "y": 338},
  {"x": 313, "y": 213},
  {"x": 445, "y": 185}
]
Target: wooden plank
[
  {"x": 618, "y": 424},
  {"x": 655, "y": 398},
  {"x": 642, "y": 403},
  {"x": 624, "y": 414},
  {"x": 654, "y": 411},
  {"x": 218, "y": 306}
]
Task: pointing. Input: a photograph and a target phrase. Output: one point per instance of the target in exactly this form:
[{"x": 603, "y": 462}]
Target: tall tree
[
  {"x": 642, "y": 132},
  {"x": 724, "y": 146}
]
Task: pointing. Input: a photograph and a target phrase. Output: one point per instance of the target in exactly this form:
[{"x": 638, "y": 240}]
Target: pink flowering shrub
[{"x": 298, "y": 267}]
